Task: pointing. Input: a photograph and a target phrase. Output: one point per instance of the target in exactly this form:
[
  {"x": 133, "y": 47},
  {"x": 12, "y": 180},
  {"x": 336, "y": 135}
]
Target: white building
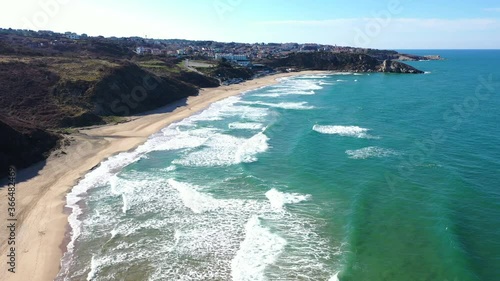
[
  {"x": 72, "y": 35},
  {"x": 140, "y": 50},
  {"x": 239, "y": 59}
]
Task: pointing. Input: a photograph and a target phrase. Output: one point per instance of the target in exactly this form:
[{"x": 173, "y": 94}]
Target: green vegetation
[
  {"x": 159, "y": 67},
  {"x": 114, "y": 119},
  {"x": 81, "y": 69}
]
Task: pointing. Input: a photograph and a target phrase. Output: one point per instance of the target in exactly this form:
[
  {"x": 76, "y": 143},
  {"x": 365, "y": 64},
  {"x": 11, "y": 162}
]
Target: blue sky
[{"x": 393, "y": 24}]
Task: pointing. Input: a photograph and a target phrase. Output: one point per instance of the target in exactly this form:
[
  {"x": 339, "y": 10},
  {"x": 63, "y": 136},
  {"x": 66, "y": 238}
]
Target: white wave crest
[
  {"x": 285, "y": 105},
  {"x": 93, "y": 268},
  {"x": 342, "y": 73},
  {"x": 335, "y": 277},
  {"x": 259, "y": 249},
  {"x": 247, "y": 152},
  {"x": 299, "y": 84},
  {"x": 271, "y": 95},
  {"x": 245, "y": 126},
  {"x": 370, "y": 152},
  {"x": 225, "y": 150},
  {"x": 174, "y": 138},
  {"x": 192, "y": 198},
  {"x": 346, "y": 131},
  {"x": 312, "y": 76},
  {"x": 279, "y": 199},
  {"x": 170, "y": 168}
]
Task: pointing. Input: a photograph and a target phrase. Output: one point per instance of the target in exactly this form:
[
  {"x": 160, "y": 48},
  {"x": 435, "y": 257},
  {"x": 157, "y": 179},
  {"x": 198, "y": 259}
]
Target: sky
[{"x": 387, "y": 24}]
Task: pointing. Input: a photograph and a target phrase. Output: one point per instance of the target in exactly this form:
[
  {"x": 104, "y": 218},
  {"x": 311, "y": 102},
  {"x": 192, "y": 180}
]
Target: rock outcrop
[
  {"x": 397, "y": 67},
  {"x": 407, "y": 57}
]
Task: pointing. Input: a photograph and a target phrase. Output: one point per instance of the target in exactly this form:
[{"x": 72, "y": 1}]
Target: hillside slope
[{"x": 41, "y": 95}]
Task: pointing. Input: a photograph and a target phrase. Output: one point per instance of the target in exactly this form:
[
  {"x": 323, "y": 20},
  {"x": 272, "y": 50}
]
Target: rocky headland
[{"x": 49, "y": 89}]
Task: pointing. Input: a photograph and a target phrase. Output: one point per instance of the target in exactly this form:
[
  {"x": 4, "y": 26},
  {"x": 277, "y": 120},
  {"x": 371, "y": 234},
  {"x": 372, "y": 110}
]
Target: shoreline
[{"x": 42, "y": 216}]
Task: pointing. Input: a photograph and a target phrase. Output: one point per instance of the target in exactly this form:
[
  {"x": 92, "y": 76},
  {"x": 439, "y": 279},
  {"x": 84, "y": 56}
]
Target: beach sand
[{"x": 42, "y": 221}]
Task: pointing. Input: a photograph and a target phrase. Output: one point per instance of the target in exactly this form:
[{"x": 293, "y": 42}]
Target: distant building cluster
[{"x": 239, "y": 53}]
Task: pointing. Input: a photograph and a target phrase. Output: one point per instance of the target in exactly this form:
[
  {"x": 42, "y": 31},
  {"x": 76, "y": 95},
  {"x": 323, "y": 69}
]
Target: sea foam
[
  {"x": 192, "y": 198},
  {"x": 346, "y": 131},
  {"x": 370, "y": 152},
  {"x": 335, "y": 277},
  {"x": 259, "y": 249},
  {"x": 246, "y": 126},
  {"x": 278, "y": 199},
  {"x": 311, "y": 76},
  {"x": 194, "y": 223},
  {"x": 224, "y": 150},
  {"x": 285, "y": 105}
]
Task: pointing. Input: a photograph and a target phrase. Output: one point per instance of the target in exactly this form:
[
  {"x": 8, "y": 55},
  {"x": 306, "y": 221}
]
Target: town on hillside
[{"x": 46, "y": 42}]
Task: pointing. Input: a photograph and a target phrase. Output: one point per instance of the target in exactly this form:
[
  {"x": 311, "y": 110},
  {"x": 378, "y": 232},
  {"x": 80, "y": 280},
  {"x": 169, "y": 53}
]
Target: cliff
[
  {"x": 43, "y": 95},
  {"x": 130, "y": 90},
  {"x": 23, "y": 145},
  {"x": 339, "y": 62}
]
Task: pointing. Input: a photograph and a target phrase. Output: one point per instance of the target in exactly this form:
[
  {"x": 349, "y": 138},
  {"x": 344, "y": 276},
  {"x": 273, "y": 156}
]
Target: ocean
[{"x": 342, "y": 176}]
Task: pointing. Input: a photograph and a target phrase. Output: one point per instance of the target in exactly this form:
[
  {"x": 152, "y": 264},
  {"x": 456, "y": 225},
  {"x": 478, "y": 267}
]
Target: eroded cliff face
[
  {"x": 130, "y": 90},
  {"x": 22, "y": 145}
]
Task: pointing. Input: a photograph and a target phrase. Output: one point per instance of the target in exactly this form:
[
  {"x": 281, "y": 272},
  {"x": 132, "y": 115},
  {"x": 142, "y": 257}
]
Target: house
[
  {"x": 140, "y": 50},
  {"x": 238, "y": 59},
  {"x": 71, "y": 35}
]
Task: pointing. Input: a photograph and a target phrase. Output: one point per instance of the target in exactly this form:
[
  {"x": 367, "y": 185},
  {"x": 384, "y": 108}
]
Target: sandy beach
[{"x": 42, "y": 221}]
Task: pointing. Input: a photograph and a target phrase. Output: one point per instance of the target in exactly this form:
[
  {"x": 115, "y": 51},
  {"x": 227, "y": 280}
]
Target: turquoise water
[{"x": 320, "y": 177}]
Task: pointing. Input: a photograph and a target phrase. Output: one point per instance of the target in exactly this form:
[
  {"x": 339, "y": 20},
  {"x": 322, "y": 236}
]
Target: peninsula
[{"x": 70, "y": 101}]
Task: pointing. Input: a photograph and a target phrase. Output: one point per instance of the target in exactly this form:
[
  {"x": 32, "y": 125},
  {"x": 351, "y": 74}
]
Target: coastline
[{"x": 42, "y": 221}]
